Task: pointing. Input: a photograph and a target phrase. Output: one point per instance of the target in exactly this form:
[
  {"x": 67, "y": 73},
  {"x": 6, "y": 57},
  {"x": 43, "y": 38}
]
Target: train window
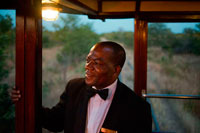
[
  {"x": 65, "y": 46},
  {"x": 7, "y": 69},
  {"x": 66, "y": 42},
  {"x": 173, "y": 59},
  {"x": 174, "y": 69}
]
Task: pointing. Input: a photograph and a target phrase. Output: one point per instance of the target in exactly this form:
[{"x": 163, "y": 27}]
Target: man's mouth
[{"x": 88, "y": 74}]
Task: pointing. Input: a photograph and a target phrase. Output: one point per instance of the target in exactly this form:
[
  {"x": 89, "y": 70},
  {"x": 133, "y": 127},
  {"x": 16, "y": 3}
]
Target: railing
[{"x": 171, "y": 96}]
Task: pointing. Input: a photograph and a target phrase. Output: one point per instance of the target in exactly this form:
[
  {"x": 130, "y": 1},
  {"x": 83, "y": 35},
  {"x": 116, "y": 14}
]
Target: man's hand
[{"x": 15, "y": 95}]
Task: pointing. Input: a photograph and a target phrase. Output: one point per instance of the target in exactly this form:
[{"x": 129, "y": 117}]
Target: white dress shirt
[{"x": 98, "y": 109}]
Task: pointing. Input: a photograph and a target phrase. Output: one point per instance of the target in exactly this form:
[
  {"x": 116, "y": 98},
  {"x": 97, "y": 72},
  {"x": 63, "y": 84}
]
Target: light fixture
[{"x": 50, "y": 10}]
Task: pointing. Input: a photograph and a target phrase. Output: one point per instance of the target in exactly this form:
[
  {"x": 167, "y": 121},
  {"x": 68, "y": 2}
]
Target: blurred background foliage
[
  {"x": 7, "y": 39},
  {"x": 72, "y": 33},
  {"x": 126, "y": 38},
  {"x": 187, "y": 42},
  {"x": 76, "y": 38}
]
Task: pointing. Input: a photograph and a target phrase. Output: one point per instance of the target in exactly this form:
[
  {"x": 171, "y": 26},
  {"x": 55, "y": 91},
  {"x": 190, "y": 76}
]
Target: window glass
[
  {"x": 174, "y": 68},
  {"x": 174, "y": 58},
  {"x": 67, "y": 41},
  {"x": 7, "y": 69}
]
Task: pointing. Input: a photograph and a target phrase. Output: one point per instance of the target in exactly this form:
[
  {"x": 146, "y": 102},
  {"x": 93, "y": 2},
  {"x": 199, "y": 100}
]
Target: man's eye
[
  {"x": 87, "y": 61},
  {"x": 96, "y": 62}
]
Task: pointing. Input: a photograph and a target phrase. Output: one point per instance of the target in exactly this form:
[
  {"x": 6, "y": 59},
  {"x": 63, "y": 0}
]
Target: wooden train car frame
[{"x": 29, "y": 41}]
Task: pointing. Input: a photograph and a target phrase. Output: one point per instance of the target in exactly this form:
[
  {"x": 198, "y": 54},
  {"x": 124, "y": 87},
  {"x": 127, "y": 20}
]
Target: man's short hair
[{"x": 119, "y": 54}]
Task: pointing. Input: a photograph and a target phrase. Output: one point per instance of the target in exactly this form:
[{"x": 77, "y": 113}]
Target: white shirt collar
[{"x": 112, "y": 87}]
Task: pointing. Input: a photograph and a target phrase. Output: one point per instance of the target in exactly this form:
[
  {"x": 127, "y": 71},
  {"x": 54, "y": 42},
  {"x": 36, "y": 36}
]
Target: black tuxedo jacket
[{"x": 128, "y": 112}]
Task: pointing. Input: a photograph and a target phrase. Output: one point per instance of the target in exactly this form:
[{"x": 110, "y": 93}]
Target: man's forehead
[
  {"x": 94, "y": 55},
  {"x": 101, "y": 51},
  {"x": 102, "y": 48}
]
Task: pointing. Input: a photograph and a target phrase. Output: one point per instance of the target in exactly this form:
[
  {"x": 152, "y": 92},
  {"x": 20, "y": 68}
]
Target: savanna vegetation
[{"x": 7, "y": 40}]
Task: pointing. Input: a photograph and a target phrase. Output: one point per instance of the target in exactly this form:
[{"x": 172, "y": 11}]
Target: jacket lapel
[
  {"x": 112, "y": 118},
  {"x": 81, "y": 114}
]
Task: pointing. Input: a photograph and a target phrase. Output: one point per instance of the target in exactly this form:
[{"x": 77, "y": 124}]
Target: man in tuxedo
[{"x": 99, "y": 102}]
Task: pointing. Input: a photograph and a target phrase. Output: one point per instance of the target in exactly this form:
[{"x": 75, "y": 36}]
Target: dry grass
[{"x": 178, "y": 74}]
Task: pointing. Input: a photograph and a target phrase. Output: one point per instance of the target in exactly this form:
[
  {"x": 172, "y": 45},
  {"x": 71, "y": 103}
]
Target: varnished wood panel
[
  {"x": 93, "y": 4},
  {"x": 30, "y": 74},
  {"x": 140, "y": 56},
  {"x": 170, "y": 6},
  {"x": 120, "y": 6},
  {"x": 28, "y": 67},
  {"x": 20, "y": 77}
]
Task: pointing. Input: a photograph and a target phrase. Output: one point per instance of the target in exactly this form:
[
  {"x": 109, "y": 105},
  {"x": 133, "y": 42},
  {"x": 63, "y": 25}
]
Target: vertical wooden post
[
  {"x": 140, "y": 56},
  {"x": 20, "y": 77},
  {"x": 28, "y": 66}
]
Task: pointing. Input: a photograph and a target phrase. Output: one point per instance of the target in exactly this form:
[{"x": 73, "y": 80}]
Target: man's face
[{"x": 99, "y": 67}]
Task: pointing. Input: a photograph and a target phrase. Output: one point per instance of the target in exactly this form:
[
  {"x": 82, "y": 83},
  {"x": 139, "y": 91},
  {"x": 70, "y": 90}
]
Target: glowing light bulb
[{"x": 50, "y": 14}]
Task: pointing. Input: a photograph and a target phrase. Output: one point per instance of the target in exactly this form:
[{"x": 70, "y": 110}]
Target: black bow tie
[{"x": 102, "y": 93}]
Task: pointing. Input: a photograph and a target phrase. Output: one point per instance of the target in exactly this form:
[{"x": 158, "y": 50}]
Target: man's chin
[{"x": 89, "y": 82}]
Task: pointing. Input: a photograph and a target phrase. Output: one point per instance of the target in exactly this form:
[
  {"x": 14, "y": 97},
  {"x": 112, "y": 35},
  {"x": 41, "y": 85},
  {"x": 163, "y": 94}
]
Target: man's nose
[{"x": 89, "y": 65}]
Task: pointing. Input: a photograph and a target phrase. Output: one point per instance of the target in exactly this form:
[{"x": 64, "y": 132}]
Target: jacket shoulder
[
  {"x": 75, "y": 83},
  {"x": 75, "y": 87},
  {"x": 130, "y": 96}
]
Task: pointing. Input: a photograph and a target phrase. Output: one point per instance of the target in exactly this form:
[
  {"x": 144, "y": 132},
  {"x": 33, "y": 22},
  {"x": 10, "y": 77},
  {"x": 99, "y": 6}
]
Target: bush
[
  {"x": 77, "y": 39},
  {"x": 123, "y": 37},
  {"x": 6, "y": 107}
]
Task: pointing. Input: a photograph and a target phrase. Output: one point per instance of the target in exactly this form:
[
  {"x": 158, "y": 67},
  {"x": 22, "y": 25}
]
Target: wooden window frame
[{"x": 28, "y": 66}]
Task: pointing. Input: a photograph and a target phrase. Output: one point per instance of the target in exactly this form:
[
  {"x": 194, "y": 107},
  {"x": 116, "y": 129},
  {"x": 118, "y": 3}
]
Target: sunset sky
[{"x": 109, "y": 25}]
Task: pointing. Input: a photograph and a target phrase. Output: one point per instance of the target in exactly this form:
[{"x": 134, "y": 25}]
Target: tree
[
  {"x": 77, "y": 39},
  {"x": 121, "y": 36},
  {"x": 6, "y": 107},
  {"x": 160, "y": 35},
  {"x": 188, "y": 42},
  {"x": 45, "y": 38}
]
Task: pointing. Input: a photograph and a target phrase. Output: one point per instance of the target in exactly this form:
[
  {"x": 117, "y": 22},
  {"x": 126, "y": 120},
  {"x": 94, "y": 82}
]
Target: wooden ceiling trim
[
  {"x": 170, "y": 16},
  {"x": 8, "y": 5},
  {"x": 115, "y": 15},
  {"x": 69, "y": 10},
  {"x": 93, "y": 4},
  {"x": 171, "y": 0},
  {"x": 170, "y": 6},
  {"x": 76, "y": 5},
  {"x": 118, "y": 0},
  {"x": 152, "y": 16},
  {"x": 138, "y": 3},
  {"x": 118, "y": 6},
  {"x": 99, "y": 5}
]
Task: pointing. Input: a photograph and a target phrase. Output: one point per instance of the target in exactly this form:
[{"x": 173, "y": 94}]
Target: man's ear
[{"x": 118, "y": 70}]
